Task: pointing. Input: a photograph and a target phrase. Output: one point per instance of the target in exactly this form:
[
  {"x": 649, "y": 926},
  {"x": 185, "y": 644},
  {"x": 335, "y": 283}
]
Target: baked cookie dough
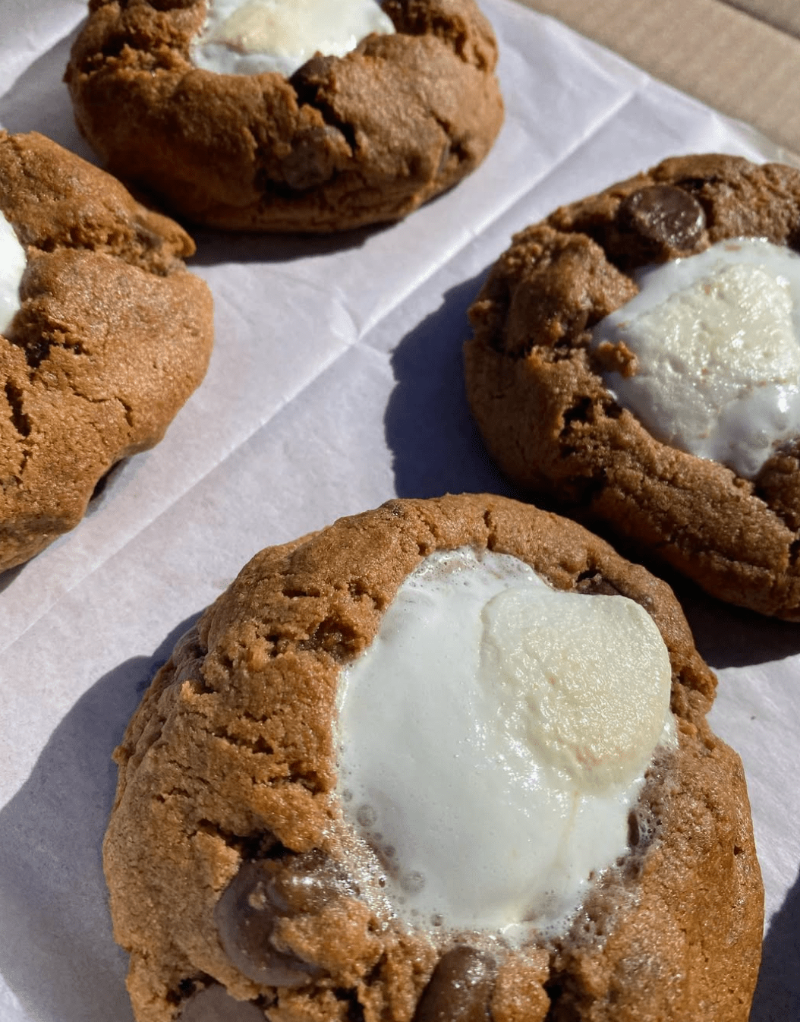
[
  {"x": 345, "y": 141},
  {"x": 554, "y": 387},
  {"x": 249, "y": 880},
  {"x": 107, "y": 338}
]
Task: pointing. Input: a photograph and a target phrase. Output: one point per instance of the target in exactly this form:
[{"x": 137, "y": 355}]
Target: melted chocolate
[
  {"x": 215, "y": 1004},
  {"x": 265, "y": 891},
  {"x": 459, "y": 989},
  {"x": 663, "y": 216}
]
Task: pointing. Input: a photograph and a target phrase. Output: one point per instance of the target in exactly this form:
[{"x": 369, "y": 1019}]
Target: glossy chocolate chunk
[
  {"x": 265, "y": 891},
  {"x": 215, "y": 1004},
  {"x": 663, "y": 215},
  {"x": 459, "y": 989}
]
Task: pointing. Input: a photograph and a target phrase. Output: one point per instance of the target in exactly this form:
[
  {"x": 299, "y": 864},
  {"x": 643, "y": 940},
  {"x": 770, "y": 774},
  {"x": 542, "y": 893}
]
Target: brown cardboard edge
[
  {"x": 728, "y": 59},
  {"x": 781, "y": 14}
]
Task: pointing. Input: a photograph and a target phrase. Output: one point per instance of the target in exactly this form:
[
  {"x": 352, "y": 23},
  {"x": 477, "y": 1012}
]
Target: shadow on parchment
[
  {"x": 39, "y": 101},
  {"x": 429, "y": 428},
  {"x": 728, "y": 636},
  {"x": 777, "y": 997},
  {"x": 57, "y": 953}
]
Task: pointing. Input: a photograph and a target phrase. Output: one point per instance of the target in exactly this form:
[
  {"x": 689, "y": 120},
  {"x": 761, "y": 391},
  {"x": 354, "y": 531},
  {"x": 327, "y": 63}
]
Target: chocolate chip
[
  {"x": 596, "y": 585},
  {"x": 634, "y": 831},
  {"x": 265, "y": 891},
  {"x": 459, "y": 989},
  {"x": 308, "y": 79},
  {"x": 307, "y": 883},
  {"x": 215, "y": 1004},
  {"x": 664, "y": 216}
]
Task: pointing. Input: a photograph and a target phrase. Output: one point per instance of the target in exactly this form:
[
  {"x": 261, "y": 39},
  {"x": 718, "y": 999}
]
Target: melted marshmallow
[
  {"x": 493, "y": 740},
  {"x": 716, "y": 337},
  {"x": 12, "y": 268},
  {"x": 253, "y": 36}
]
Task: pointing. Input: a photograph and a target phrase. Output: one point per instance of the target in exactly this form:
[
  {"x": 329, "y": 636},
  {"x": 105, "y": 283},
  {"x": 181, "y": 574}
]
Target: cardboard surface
[
  {"x": 741, "y": 58},
  {"x": 335, "y": 384},
  {"x": 781, "y": 14}
]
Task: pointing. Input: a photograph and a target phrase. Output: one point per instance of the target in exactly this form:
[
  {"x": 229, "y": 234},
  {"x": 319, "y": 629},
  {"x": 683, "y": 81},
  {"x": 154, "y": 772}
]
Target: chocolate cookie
[
  {"x": 344, "y": 141},
  {"x": 107, "y": 336},
  {"x": 566, "y": 403},
  {"x": 252, "y": 878}
]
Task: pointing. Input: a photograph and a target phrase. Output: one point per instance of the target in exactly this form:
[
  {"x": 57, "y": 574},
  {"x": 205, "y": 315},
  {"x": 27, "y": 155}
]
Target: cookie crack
[
  {"x": 455, "y": 145},
  {"x": 94, "y": 400},
  {"x": 338, "y": 638},
  {"x": 351, "y": 1003},
  {"x": 19, "y": 418},
  {"x": 135, "y": 247},
  {"x": 128, "y": 411},
  {"x": 456, "y": 38},
  {"x": 176, "y": 792},
  {"x": 452, "y": 32},
  {"x": 258, "y": 746},
  {"x": 308, "y": 94},
  {"x": 37, "y": 348},
  {"x": 293, "y": 774}
]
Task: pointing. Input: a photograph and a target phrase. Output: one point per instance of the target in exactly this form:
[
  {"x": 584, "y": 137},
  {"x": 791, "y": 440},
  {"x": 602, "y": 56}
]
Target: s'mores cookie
[
  {"x": 288, "y": 115},
  {"x": 636, "y": 356},
  {"x": 103, "y": 336},
  {"x": 448, "y": 759}
]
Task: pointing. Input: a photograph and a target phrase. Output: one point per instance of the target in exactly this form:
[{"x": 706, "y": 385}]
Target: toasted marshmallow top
[
  {"x": 717, "y": 340},
  {"x": 12, "y": 267},
  {"x": 494, "y": 738},
  {"x": 253, "y": 36}
]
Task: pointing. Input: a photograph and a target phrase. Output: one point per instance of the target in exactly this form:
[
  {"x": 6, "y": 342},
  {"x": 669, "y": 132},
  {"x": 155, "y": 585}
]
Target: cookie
[
  {"x": 358, "y": 790},
  {"x": 344, "y": 141},
  {"x": 635, "y": 358},
  {"x": 105, "y": 336}
]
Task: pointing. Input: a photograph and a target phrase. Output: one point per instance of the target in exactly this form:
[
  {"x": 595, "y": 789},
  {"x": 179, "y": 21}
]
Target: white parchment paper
[{"x": 335, "y": 384}]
